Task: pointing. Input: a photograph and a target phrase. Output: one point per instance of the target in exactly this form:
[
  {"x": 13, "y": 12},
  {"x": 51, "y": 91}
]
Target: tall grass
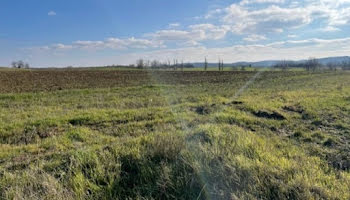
[{"x": 180, "y": 141}]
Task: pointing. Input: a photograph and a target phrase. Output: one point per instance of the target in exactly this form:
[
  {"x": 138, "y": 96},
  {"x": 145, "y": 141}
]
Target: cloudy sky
[{"x": 102, "y": 32}]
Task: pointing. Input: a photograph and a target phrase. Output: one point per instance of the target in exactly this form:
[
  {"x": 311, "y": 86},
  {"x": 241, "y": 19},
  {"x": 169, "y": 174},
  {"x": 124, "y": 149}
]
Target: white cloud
[
  {"x": 174, "y": 25},
  {"x": 212, "y": 13},
  {"x": 89, "y": 44},
  {"x": 116, "y": 43},
  {"x": 292, "y": 36},
  {"x": 210, "y": 31},
  {"x": 51, "y": 13},
  {"x": 247, "y": 17},
  {"x": 193, "y": 35},
  {"x": 254, "y": 38},
  {"x": 270, "y": 19},
  {"x": 290, "y": 49},
  {"x": 61, "y": 46},
  {"x": 172, "y": 35},
  {"x": 190, "y": 37},
  {"x": 110, "y": 43},
  {"x": 247, "y": 2},
  {"x": 330, "y": 29}
]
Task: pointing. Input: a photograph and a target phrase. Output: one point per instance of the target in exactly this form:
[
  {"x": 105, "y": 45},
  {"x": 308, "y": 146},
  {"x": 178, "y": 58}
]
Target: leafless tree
[
  {"x": 222, "y": 65},
  {"x": 155, "y": 64},
  {"x": 140, "y": 63},
  {"x": 219, "y": 65},
  {"x": 182, "y": 65},
  {"x": 148, "y": 63},
  {"x": 331, "y": 66},
  {"x": 175, "y": 64},
  {"x": 312, "y": 64},
  {"x": 205, "y": 64},
  {"x": 169, "y": 63},
  {"x": 284, "y": 65},
  {"x": 14, "y": 64},
  {"x": 19, "y": 64},
  {"x": 345, "y": 65}
]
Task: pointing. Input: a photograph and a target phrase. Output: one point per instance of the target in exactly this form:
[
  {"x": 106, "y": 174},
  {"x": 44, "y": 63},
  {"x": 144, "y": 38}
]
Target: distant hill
[
  {"x": 269, "y": 63},
  {"x": 334, "y": 59}
]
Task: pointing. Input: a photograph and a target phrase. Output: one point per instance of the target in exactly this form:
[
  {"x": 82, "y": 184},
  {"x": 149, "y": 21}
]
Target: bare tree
[
  {"x": 222, "y": 65},
  {"x": 169, "y": 63},
  {"x": 165, "y": 64},
  {"x": 331, "y": 66},
  {"x": 219, "y": 64},
  {"x": 312, "y": 64},
  {"x": 284, "y": 65},
  {"x": 148, "y": 63},
  {"x": 345, "y": 65},
  {"x": 19, "y": 64},
  {"x": 175, "y": 64},
  {"x": 182, "y": 65},
  {"x": 155, "y": 64},
  {"x": 14, "y": 64},
  {"x": 140, "y": 63}
]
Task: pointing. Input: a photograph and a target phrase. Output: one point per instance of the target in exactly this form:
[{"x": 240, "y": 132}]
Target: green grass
[{"x": 180, "y": 141}]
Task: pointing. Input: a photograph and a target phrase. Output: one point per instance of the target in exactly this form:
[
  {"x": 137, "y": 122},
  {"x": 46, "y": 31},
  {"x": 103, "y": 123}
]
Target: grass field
[{"x": 109, "y": 134}]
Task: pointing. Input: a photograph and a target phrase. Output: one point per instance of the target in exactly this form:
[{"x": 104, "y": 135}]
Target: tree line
[
  {"x": 175, "y": 65},
  {"x": 155, "y": 64},
  {"x": 312, "y": 64}
]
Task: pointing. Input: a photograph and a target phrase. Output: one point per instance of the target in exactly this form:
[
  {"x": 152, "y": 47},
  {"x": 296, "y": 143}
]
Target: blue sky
[{"x": 103, "y": 32}]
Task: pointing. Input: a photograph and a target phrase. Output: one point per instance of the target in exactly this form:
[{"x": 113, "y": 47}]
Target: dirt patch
[
  {"x": 79, "y": 121},
  {"x": 340, "y": 160},
  {"x": 237, "y": 102},
  {"x": 295, "y": 108},
  {"x": 269, "y": 115},
  {"x": 33, "y": 134},
  {"x": 297, "y": 134},
  {"x": 329, "y": 143},
  {"x": 204, "y": 110},
  {"x": 233, "y": 103}
]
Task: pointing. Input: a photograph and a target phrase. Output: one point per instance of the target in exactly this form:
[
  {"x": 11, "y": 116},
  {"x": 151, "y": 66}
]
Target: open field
[
  {"x": 109, "y": 134},
  {"x": 51, "y": 80}
]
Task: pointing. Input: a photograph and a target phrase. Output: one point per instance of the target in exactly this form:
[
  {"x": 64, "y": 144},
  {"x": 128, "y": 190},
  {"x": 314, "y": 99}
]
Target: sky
[{"x": 60, "y": 33}]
